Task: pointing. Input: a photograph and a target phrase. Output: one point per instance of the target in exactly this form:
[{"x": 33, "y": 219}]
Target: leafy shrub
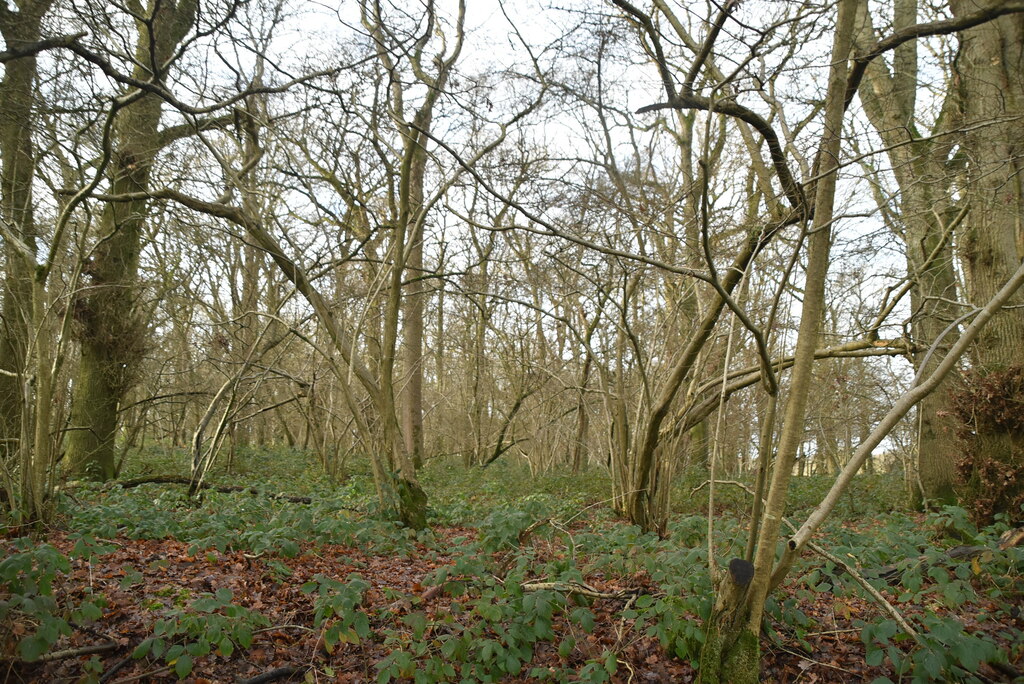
[
  {"x": 947, "y": 653},
  {"x": 337, "y": 609},
  {"x": 28, "y": 602},
  {"x": 929, "y": 576},
  {"x": 212, "y": 623},
  {"x": 501, "y": 529},
  {"x": 233, "y": 521}
]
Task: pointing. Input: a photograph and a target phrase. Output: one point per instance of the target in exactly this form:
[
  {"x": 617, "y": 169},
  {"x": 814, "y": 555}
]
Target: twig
[
  {"x": 572, "y": 541},
  {"x": 832, "y": 631},
  {"x": 144, "y": 675},
  {"x": 118, "y": 666},
  {"x": 875, "y": 594},
  {"x": 804, "y": 656},
  {"x": 1006, "y": 669},
  {"x": 275, "y": 674},
  {"x": 277, "y": 627}
]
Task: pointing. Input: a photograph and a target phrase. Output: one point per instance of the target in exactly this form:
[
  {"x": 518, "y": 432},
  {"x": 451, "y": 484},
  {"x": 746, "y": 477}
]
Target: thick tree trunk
[
  {"x": 110, "y": 328},
  {"x": 990, "y": 75},
  {"x": 919, "y": 167},
  {"x": 731, "y": 652},
  {"x": 936, "y": 448},
  {"x": 111, "y": 333}
]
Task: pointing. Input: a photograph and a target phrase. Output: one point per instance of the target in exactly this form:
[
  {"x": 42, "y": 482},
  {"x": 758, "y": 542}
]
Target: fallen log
[
  {"x": 581, "y": 589},
  {"x": 224, "y": 489}
]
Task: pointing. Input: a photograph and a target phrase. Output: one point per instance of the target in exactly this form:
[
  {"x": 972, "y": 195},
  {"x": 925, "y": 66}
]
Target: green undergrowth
[
  {"x": 867, "y": 496},
  {"x": 234, "y": 521},
  {"x": 554, "y": 531}
]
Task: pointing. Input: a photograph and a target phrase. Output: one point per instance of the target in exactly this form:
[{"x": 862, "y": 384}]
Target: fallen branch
[
  {"x": 275, "y": 674},
  {"x": 580, "y": 589},
  {"x": 117, "y": 667},
  {"x": 75, "y": 652},
  {"x": 224, "y": 489},
  {"x": 145, "y": 675},
  {"x": 1011, "y": 538},
  {"x": 1008, "y": 539},
  {"x": 874, "y": 593},
  {"x": 525, "y": 534}
]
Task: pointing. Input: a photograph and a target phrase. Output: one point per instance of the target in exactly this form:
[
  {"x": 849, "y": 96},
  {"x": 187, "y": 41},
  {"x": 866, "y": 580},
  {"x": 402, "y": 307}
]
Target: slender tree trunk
[
  {"x": 37, "y": 461},
  {"x": 579, "y": 448},
  {"x": 412, "y": 319},
  {"x": 731, "y": 651}
]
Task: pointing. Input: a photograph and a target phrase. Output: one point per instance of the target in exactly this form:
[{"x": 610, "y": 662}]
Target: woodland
[{"x": 438, "y": 341}]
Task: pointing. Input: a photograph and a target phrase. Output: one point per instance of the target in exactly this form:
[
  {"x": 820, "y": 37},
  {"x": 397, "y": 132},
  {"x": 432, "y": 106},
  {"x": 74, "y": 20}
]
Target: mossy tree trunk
[
  {"x": 17, "y": 95},
  {"x": 111, "y": 329},
  {"x": 731, "y": 652},
  {"x": 990, "y": 75}
]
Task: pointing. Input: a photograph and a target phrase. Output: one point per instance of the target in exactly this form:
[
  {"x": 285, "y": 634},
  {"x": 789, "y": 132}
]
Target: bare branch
[
  {"x": 932, "y": 28},
  {"x": 35, "y": 48}
]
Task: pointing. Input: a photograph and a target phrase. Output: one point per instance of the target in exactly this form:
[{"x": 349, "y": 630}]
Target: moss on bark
[
  {"x": 412, "y": 504},
  {"x": 729, "y": 655}
]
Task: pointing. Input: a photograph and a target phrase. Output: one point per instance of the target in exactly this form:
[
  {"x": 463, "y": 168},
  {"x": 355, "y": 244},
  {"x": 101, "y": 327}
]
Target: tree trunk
[
  {"x": 925, "y": 208},
  {"x": 732, "y": 651},
  {"x": 16, "y": 211},
  {"x": 111, "y": 329},
  {"x": 990, "y": 75},
  {"x": 412, "y": 320}
]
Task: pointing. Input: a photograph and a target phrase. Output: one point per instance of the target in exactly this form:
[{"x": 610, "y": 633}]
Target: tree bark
[
  {"x": 989, "y": 73},
  {"x": 413, "y": 305},
  {"x": 732, "y": 651},
  {"x": 990, "y": 76},
  {"x": 16, "y": 211},
  {"x": 111, "y": 328},
  {"x": 925, "y": 205}
]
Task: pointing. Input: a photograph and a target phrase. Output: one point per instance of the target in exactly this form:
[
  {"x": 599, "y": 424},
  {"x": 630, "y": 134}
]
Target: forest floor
[{"x": 239, "y": 589}]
